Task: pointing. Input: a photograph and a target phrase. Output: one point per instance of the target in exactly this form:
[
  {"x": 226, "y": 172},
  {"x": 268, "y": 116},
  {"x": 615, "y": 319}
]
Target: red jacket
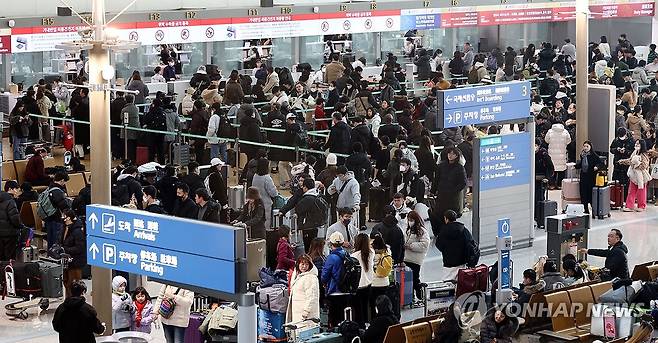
[
  {"x": 319, "y": 114},
  {"x": 34, "y": 171},
  {"x": 285, "y": 256}
]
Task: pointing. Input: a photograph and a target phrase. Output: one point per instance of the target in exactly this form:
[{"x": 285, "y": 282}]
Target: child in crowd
[
  {"x": 121, "y": 305},
  {"x": 143, "y": 314}
]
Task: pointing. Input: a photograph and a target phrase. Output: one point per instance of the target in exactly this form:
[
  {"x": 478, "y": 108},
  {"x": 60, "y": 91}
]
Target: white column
[{"x": 582, "y": 40}]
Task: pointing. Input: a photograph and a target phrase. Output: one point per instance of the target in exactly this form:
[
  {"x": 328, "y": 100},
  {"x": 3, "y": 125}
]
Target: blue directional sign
[
  {"x": 505, "y": 161},
  {"x": 162, "y": 264},
  {"x": 163, "y": 247},
  {"x": 484, "y": 104},
  {"x": 504, "y": 264}
]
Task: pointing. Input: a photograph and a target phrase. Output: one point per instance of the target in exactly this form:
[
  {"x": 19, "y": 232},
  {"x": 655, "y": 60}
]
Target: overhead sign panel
[
  {"x": 484, "y": 104},
  {"x": 166, "y": 248}
]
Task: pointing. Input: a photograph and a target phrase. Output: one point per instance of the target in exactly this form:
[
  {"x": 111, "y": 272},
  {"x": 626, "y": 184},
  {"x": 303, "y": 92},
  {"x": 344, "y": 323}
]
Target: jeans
[
  {"x": 219, "y": 150},
  {"x": 19, "y": 148},
  {"x": 635, "y": 192},
  {"x": 53, "y": 230},
  {"x": 173, "y": 334}
]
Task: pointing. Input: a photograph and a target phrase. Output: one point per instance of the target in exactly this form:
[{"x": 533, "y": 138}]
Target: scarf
[
  {"x": 140, "y": 308},
  {"x": 584, "y": 162}
]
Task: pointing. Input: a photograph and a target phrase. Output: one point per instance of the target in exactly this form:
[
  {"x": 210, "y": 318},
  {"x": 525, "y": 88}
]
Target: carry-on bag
[
  {"x": 570, "y": 187},
  {"x": 28, "y": 254},
  {"x": 601, "y": 202},
  {"x": 142, "y": 155},
  {"x": 270, "y": 326},
  {"x": 348, "y": 328},
  {"x": 273, "y": 298},
  {"x": 26, "y": 278},
  {"x": 180, "y": 154},
  {"x": 303, "y": 330},
  {"x": 616, "y": 195},
  {"x": 438, "y": 296},
  {"x": 326, "y": 337},
  {"x": 545, "y": 208},
  {"x": 472, "y": 279},
  {"x": 393, "y": 293},
  {"x": 236, "y": 197},
  {"x": 51, "y": 279},
  {"x": 256, "y": 258},
  {"x": 405, "y": 278}
]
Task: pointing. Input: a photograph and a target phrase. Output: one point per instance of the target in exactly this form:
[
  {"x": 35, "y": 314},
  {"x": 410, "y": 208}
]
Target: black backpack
[
  {"x": 350, "y": 275},
  {"x": 318, "y": 215},
  {"x": 301, "y": 137},
  {"x": 349, "y": 329},
  {"x": 472, "y": 250}
]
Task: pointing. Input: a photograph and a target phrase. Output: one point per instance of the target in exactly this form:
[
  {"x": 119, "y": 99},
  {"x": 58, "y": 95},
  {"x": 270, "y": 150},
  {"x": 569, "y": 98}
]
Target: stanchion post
[{"x": 125, "y": 135}]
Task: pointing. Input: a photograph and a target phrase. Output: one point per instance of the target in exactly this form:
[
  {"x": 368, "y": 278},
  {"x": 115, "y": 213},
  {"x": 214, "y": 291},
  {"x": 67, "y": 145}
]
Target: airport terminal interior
[{"x": 190, "y": 171}]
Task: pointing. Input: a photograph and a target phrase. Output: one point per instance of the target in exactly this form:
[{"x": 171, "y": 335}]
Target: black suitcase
[
  {"x": 378, "y": 201},
  {"x": 271, "y": 243},
  {"x": 545, "y": 208},
  {"x": 51, "y": 279},
  {"x": 180, "y": 154},
  {"x": 27, "y": 279},
  {"x": 393, "y": 293},
  {"x": 601, "y": 202}
]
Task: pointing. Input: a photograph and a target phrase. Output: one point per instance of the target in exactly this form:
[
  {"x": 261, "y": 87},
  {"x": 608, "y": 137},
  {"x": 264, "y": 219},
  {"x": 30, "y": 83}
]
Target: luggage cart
[{"x": 19, "y": 309}]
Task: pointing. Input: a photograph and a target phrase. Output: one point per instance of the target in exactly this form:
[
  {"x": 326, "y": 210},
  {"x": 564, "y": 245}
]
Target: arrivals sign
[{"x": 184, "y": 251}]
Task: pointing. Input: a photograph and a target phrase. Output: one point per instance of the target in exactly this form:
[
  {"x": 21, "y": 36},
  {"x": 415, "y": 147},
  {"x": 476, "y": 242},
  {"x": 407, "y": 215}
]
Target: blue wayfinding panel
[
  {"x": 505, "y": 161},
  {"x": 166, "y": 232},
  {"x": 504, "y": 230},
  {"x": 162, "y": 264},
  {"x": 420, "y": 21},
  {"x": 164, "y": 247},
  {"x": 484, "y": 104}
]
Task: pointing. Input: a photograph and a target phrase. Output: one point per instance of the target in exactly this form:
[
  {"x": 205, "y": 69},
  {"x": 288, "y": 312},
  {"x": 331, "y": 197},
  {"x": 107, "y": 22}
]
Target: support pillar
[
  {"x": 247, "y": 328},
  {"x": 582, "y": 101}
]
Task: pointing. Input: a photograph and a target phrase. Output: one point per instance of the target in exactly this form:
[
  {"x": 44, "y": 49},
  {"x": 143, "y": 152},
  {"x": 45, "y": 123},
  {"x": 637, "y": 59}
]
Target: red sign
[
  {"x": 457, "y": 19},
  {"x": 5, "y": 44},
  {"x": 622, "y": 10}
]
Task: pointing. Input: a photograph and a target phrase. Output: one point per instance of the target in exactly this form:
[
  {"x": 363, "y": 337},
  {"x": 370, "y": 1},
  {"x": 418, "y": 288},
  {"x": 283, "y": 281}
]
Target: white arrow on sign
[
  {"x": 94, "y": 250},
  {"x": 449, "y": 118},
  {"x": 93, "y": 220},
  {"x": 448, "y": 99}
]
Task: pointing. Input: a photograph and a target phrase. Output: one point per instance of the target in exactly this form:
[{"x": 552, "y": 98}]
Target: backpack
[
  {"x": 225, "y": 129},
  {"x": 120, "y": 194},
  {"x": 45, "y": 207},
  {"x": 385, "y": 266},
  {"x": 472, "y": 250},
  {"x": 301, "y": 137},
  {"x": 350, "y": 275},
  {"x": 473, "y": 75}
]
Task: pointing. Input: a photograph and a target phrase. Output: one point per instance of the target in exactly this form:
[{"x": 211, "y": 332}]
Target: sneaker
[
  {"x": 626, "y": 209},
  {"x": 639, "y": 210}
]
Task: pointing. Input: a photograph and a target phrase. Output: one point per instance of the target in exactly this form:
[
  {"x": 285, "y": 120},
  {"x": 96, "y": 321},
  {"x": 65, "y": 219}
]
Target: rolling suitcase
[
  {"x": 255, "y": 258},
  {"x": 545, "y": 208},
  {"x": 472, "y": 279},
  {"x": 192, "y": 333},
  {"x": 28, "y": 254},
  {"x": 270, "y": 326},
  {"x": 570, "y": 188},
  {"x": 393, "y": 294},
  {"x": 142, "y": 155},
  {"x": 26, "y": 278},
  {"x": 616, "y": 195},
  {"x": 377, "y": 203},
  {"x": 405, "y": 279},
  {"x": 51, "y": 279},
  {"x": 601, "y": 202},
  {"x": 180, "y": 154},
  {"x": 236, "y": 197}
]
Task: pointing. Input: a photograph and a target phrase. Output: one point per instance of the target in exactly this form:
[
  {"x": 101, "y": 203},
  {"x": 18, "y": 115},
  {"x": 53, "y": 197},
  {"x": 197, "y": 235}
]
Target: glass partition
[
  {"x": 282, "y": 52},
  {"x": 312, "y": 51},
  {"x": 227, "y": 56},
  {"x": 363, "y": 44},
  {"x": 392, "y": 42}
]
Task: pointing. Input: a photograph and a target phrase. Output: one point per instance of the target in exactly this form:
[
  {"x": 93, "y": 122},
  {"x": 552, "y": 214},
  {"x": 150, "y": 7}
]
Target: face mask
[
  {"x": 314, "y": 90},
  {"x": 346, "y": 222},
  {"x": 349, "y": 87},
  {"x": 637, "y": 148},
  {"x": 403, "y": 169},
  {"x": 623, "y": 138},
  {"x": 405, "y": 150},
  {"x": 332, "y": 88},
  {"x": 145, "y": 200},
  {"x": 412, "y": 223},
  {"x": 181, "y": 198},
  {"x": 618, "y": 102}
]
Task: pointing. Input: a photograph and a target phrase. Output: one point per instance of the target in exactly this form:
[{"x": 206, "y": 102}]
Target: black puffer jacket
[
  {"x": 10, "y": 220},
  {"x": 362, "y": 134},
  {"x": 76, "y": 321},
  {"x": 450, "y": 178},
  {"x": 393, "y": 237},
  {"x": 502, "y": 333},
  {"x": 340, "y": 139},
  {"x": 615, "y": 259},
  {"x": 360, "y": 165},
  {"x": 74, "y": 244},
  {"x": 250, "y": 131},
  {"x": 185, "y": 209},
  {"x": 451, "y": 242}
]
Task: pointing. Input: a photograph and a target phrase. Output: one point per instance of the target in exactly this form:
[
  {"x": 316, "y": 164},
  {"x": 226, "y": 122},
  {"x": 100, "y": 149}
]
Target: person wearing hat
[
  {"x": 216, "y": 182},
  {"x": 200, "y": 79},
  {"x": 331, "y": 276}
]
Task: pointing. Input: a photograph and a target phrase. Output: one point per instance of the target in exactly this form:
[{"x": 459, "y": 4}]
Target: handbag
[
  {"x": 601, "y": 179},
  {"x": 612, "y": 321},
  {"x": 167, "y": 306}
]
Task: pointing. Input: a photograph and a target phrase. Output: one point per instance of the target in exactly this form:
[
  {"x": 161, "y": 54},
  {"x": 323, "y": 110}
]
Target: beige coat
[
  {"x": 304, "y": 301},
  {"x": 334, "y": 71},
  {"x": 184, "y": 300},
  {"x": 636, "y": 124}
]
